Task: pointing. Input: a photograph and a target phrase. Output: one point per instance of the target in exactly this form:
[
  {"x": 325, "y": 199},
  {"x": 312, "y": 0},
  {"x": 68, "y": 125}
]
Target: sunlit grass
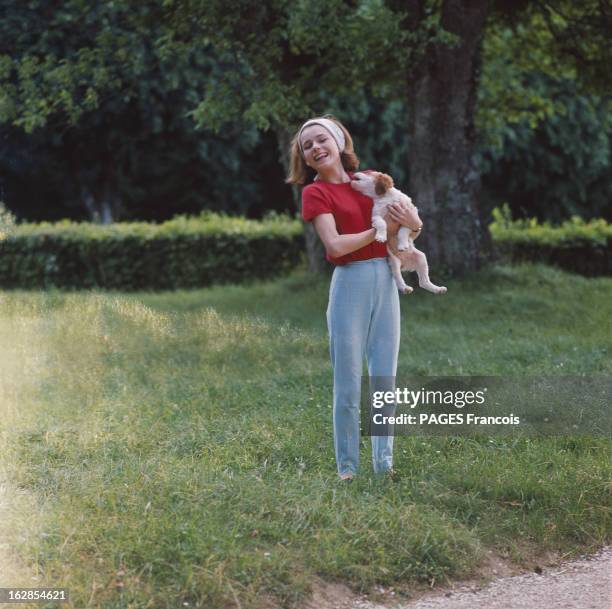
[{"x": 178, "y": 446}]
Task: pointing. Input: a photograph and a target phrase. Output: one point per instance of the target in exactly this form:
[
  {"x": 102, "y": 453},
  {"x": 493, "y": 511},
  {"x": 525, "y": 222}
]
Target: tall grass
[{"x": 178, "y": 451}]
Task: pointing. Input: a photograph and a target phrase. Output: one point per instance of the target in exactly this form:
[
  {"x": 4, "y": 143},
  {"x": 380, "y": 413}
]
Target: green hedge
[
  {"x": 577, "y": 246},
  {"x": 200, "y": 251},
  {"x": 181, "y": 253}
]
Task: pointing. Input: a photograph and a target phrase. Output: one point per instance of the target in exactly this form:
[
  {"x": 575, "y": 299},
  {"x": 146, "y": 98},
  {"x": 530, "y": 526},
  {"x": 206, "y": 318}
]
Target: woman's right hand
[
  {"x": 392, "y": 225},
  {"x": 400, "y": 214}
]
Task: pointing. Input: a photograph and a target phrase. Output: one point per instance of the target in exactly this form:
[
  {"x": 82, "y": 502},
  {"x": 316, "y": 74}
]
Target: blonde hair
[{"x": 300, "y": 173}]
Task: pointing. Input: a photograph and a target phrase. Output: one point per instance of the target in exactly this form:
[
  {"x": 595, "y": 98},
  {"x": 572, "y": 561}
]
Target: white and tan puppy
[{"x": 403, "y": 256}]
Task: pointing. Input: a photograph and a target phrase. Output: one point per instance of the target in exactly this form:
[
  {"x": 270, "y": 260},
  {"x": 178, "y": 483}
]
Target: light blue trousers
[{"x": 363, "y": 319}]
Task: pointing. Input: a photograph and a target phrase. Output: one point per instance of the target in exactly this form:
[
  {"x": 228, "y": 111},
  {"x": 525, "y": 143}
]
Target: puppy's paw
[
  {"x": 406, "y": 289},
  {"x": 381, "y": 236},
  {"x": 402, "y": 247},
  {"x": 441, "y": 290}
]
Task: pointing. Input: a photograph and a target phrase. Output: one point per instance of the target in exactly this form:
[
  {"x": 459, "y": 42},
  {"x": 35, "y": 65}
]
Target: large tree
[
  {"x": 443, "y": 90},
  {"x": 444, "y": 178}
]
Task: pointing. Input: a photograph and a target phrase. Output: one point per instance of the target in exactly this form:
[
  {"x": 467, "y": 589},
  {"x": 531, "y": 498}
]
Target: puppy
[{"x": 403, "y": 256}]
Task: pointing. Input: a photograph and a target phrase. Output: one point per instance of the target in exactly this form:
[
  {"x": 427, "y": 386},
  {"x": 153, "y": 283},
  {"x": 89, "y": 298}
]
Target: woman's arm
[{"x": 338, "y": 245}]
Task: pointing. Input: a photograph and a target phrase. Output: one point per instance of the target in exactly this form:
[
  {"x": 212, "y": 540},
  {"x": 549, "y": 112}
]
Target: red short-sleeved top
[{"x": 352, "y": 212}]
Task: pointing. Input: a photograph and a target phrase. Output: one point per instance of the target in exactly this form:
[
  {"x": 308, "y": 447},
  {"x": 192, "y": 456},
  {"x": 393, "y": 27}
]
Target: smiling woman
[
  {"x": 324, "y": 136},
  {"x": 363, "y": 315}
]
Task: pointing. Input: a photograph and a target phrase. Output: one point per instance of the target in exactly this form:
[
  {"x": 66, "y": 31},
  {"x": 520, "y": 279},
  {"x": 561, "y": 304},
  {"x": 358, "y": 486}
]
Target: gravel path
[{"x": 582, "y": 584}]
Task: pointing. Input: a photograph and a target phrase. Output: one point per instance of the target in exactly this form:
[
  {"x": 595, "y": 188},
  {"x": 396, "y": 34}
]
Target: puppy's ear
[{"x": 383, "y": 183}]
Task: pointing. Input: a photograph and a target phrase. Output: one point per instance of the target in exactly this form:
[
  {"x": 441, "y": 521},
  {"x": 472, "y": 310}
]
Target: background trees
[
  {"x": 118, "y": 110},
  {"x": 95, "y": 105}
]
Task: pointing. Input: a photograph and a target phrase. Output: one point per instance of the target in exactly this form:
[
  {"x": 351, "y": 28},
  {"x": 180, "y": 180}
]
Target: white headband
[{"x": 330, "y": 126}]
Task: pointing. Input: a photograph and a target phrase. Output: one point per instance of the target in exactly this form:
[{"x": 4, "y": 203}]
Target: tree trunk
[
  {"x": 315, "y": 252},
  {"x": 97, "y": 187},
  {"x": 444, "y": 179},
  {"x": 101, "y": 209}
]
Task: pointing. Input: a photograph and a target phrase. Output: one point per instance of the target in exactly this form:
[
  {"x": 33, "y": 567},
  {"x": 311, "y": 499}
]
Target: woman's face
[{"x": 320, "y": 148}]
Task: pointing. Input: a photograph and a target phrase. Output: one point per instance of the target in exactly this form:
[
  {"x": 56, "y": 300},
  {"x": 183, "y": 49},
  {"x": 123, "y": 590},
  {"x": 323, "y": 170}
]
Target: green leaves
[
  {"x": 286, "y": 54},
  {"x": 558, "y": 167},
  {"x": 61, "y": 64},
  {"x": 512, "y": 88}
]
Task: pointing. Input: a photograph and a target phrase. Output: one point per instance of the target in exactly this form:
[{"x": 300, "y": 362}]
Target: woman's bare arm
[{"x": 338, "y": 245}]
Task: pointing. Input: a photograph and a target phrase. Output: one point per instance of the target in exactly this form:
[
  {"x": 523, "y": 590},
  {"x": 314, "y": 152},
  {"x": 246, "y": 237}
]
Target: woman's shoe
[
  {"x": 346, "y": 478},
  {"x": 392, "y": 475}
]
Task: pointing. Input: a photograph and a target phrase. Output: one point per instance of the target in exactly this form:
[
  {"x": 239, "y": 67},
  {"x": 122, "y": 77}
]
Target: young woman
[{"x": 363, "y": 314}]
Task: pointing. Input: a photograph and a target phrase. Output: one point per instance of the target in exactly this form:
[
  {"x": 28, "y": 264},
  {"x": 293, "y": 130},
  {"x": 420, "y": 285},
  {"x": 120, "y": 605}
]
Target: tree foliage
[
  {"x": 103, "y": 92},
  {"x": 109, "y": 108},
  {"x": 543, "y": 124},
  {"x": 558, "y": 169}
]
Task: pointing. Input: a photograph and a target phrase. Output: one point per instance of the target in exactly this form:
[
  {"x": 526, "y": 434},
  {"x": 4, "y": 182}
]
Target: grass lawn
[{"x": 177, "y": 447}]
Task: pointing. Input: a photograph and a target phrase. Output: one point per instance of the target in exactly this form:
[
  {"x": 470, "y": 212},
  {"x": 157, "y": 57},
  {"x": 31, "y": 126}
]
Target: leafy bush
[
  {"x": 181, "y": 253},
  {"x": 577, "y": 246}
]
